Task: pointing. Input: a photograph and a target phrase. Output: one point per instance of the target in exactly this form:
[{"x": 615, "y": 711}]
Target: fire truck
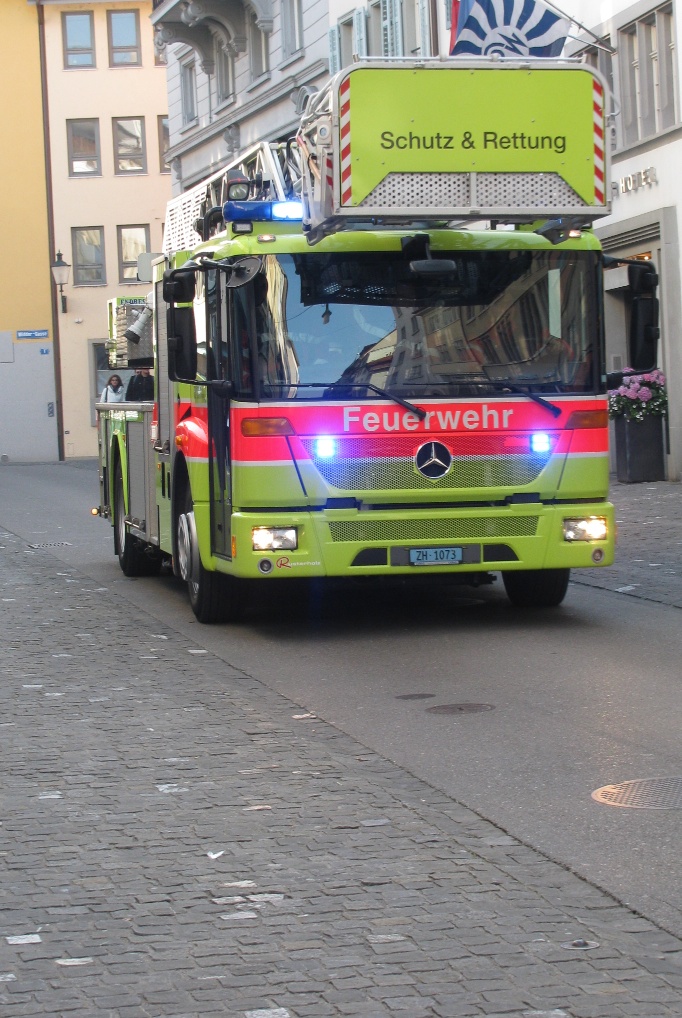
[{"x": 378, "y": 348}]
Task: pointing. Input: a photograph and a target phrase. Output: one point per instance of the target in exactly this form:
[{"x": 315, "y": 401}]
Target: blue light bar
[
  {"x": 287, "y": 210},
  {"x": 262, "y": 211}
]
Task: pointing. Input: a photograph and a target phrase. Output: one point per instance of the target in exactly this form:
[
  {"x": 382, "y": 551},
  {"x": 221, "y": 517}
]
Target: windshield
[{"x": 329, "y": 324}]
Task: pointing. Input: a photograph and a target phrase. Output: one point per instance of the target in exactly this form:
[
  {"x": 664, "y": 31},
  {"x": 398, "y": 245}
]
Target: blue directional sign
[{"x": 33, "y": 333}]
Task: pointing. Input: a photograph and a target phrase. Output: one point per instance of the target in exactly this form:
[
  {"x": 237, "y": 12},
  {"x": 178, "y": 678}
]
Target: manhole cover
[
  {"x": 415, "y": 696},
  {"x": 646, "y": 793},
  {"x": 52, "y": 544},
  {"x": 459, "y": 708}
]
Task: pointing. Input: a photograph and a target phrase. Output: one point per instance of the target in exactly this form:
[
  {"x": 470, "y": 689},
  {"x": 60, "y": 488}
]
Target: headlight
[
  {"x": 591, "y": 528},
  {"x": 274, "y": 538}
]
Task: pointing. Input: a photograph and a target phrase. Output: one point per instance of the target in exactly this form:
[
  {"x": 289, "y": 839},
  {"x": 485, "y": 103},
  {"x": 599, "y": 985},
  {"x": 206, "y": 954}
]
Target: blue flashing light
[
  {"x": 325, "y": 448},
  {"x": 291, "y": 210},
  {"x": 540, "y": 442},
  {"x": 262, "y": 211}
]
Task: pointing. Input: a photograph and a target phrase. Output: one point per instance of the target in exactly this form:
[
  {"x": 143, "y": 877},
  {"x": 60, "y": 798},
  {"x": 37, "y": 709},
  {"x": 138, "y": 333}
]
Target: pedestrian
[
  {"x": 113, "y": 391},
  {"x": 140, "y": 387}
]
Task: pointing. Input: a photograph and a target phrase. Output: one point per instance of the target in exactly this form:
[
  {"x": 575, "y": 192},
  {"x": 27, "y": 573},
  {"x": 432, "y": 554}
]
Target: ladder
[{"x": 273, "y": 169}]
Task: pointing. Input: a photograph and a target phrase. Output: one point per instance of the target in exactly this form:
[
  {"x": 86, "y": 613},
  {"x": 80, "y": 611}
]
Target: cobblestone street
[
  {"x": 649, "y": 550},
  {"x": 180, "y": 840}
]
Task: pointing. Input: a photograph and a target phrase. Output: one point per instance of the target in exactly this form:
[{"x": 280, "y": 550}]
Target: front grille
[
  {"x": 401, "y": 474},
  {"x": 420, "y": 530}
]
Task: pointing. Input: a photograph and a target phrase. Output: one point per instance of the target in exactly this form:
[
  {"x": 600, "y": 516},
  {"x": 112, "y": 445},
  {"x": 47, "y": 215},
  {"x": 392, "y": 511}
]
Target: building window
[
  {"x": 647, "y": 76},
  {"x": 374, "y": 33},
  {"x": 130, "y": 154},
  {"x": 224, "y": 75},
  {"x": 410, "y": 18},
  {"x": 164, "y": 144},
  {"x": 132, "y": 241},
  {"x": 88, "y": 255},
  {"x": 82, "y": 138},
  {"x": 346, "y": 42},
  {"x": 188, "y": 90},
  {"x": 78, "y": 40},
  {"x": 292, "y": 27},
  {"x": 124, "y": 38},
  {"x": 259, "y": 50}
]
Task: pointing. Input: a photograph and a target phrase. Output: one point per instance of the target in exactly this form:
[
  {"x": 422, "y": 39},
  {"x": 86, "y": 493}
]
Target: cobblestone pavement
[
  {"x": 649, "y": 551},
  {"x": 179, "y": 840}
]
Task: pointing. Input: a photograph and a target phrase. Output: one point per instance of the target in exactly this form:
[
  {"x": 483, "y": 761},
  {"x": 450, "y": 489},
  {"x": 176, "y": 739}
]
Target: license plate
[{"x": 435, "y": 556}]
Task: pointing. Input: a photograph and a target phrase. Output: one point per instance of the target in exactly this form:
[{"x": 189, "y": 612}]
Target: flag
[{"x": 516, "y": 28}]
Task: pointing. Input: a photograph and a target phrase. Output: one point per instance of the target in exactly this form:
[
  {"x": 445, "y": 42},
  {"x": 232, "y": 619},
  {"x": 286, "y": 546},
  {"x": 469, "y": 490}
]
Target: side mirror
[
  {"x": 644, "y": 330},
  {"x": 182, "y": 345},
  {"x": 642, "y": 278},
  {"x": 179, "y": 286},
  {"x": 644, "y": 333}
]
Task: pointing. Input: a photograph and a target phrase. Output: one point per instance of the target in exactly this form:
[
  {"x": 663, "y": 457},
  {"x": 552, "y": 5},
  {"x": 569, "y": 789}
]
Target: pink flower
[{"x": 645, "y": 394}]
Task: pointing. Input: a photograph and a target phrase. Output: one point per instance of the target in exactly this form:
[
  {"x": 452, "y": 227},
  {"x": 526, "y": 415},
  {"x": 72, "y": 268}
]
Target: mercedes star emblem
[{"x": 433, "y": 460}]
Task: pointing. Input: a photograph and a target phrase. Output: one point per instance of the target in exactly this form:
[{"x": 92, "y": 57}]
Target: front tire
[
  {"x": 213, "y": 596},
  {"x": 133, "y": 556},
  {"x": 536, "y": 588}
]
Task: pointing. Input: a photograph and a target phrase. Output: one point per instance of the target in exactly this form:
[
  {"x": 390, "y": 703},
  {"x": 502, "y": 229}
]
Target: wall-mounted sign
[
  {"x": 634, "y": 181},
  {"x": 33, "y": 333}
]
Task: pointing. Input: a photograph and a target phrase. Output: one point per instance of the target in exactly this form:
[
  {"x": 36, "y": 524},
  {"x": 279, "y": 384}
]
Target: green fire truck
[{"x": 378, "y": 348}]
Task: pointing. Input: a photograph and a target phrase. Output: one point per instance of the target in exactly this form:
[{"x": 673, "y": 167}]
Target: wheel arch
[{"x": 179, "y": 485}]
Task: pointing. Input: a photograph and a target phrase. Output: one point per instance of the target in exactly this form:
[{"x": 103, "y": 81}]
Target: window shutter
[
  {"x": 397, "y": 20},
  {"x": 334, "y": 49},
  {"x": 392, "y": 28},
  {"x": 360, "y": 32},
  {"x": 424, "y": 28},
  {"x": 387, "y": 34}
]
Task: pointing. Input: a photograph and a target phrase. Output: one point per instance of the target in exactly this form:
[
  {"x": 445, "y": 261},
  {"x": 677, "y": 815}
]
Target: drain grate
[
  {"x": 646, "y": 793},
  {"x": 52, "y": 544},
  {"x": 459, "y": 708}
]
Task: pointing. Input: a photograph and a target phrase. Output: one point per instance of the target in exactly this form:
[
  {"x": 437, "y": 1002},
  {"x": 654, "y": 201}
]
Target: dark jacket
[{"x": 140, "y": 389}]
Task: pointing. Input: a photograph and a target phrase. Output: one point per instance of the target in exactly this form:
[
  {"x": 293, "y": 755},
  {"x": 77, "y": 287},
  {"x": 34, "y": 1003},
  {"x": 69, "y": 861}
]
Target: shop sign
[{"x": 635, "y": 181}]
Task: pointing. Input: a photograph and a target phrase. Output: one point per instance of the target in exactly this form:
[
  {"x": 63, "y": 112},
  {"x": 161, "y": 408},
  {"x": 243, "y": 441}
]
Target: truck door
[{"x": 219, "y": 414}]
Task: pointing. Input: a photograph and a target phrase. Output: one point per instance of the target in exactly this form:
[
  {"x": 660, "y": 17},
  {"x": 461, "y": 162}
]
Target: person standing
[
  {"x": 140, "y": 387},
  {"x": 113, "y": 391}
]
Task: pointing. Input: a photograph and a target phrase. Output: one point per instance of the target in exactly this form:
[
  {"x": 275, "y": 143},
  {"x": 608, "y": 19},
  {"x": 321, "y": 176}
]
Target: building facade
[
  {"x": 107, "y": 127},
  {"x": 233, "y": 68},
  {"x": 636, "y": 51},
  {"x": 388, "y": 28},
  {"x": 29, "y": 351}
]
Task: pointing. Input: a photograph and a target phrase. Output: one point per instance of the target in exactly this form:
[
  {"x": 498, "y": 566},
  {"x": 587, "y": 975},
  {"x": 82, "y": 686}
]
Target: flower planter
[{"x": 639, "y": 449}]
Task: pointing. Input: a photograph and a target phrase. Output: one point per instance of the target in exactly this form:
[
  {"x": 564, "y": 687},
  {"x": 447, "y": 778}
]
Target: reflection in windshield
[{"x": 517, "y": 316}]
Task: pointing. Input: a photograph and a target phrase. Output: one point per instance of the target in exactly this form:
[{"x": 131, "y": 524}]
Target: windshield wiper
[
  {"x": 421, "y": 414},
  {"x": 552, "y": 407}
]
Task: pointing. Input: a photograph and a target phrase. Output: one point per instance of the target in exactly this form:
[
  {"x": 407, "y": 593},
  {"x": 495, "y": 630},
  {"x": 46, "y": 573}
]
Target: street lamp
[{"x": 60, "y": 274}]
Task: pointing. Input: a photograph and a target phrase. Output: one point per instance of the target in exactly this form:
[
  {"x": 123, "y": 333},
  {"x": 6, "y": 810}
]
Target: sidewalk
[
  {"x": 649, "y": 550},
  {"x": 180, "y": 840}
]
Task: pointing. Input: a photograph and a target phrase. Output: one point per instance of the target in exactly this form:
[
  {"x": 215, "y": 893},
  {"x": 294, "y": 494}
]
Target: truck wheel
[
  {"x": 536, "y": 588},
  {"x": 214, "y": 597},
  {"x": 133, "y": 556}
]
